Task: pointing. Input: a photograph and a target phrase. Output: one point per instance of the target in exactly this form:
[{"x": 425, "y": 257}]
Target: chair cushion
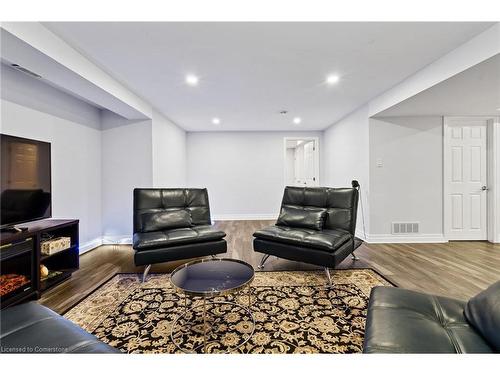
[
  {"x": 309, "y": 218},
  {"x": 175, "y": 237},
  {"x": 327, "y": 239},
  {"x": 160, "y": 200},
  {"x": 155, "y": 221},
  {"x": 341, "y": 204},
  {"x": 404, "y": 321},
  {"x": 483, "y": 313}
]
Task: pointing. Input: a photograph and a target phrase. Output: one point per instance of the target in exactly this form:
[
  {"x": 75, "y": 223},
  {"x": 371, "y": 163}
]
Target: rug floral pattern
[{"x": 293, "y": 313}]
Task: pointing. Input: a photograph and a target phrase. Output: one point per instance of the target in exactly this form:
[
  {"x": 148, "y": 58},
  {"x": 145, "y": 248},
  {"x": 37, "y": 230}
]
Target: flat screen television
[{"x": 25, "y": 180}]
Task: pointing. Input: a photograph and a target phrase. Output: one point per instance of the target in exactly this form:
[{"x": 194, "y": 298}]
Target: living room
[{"x": 264, "y": 187}]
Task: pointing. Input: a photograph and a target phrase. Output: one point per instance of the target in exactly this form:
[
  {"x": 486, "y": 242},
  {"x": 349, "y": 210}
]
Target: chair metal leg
[
  {"x": 354, "y": 257},
  {"x": 146, "y": 271},
  {"x": 262, "y": 261},
  {"x": 327, "y": 271}
]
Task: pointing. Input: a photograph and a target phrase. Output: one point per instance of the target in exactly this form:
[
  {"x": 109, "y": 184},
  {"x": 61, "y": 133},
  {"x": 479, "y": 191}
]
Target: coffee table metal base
[{"x": 205, "y": 313}]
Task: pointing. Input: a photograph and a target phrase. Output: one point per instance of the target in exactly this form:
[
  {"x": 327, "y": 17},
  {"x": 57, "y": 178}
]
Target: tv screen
[{"x": 25, "y": 180}]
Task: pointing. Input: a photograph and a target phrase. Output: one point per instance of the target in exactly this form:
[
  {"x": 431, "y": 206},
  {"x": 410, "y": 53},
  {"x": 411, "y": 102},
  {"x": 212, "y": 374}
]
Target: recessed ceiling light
[
  {"x": 216, "y": 121},
  {"x": 297, "y": 120},
  {"x": 332, "y": 79},
  {"x": 192, "y": 80}
]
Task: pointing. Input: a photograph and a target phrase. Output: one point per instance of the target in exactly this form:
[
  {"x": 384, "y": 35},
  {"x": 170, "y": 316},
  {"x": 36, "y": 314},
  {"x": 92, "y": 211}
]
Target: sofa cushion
[
  {"x": 327, "y": 239},
  {"x": 404, "y": 321},
  {"x": 32, "y": 328},
  {"x": 175, "y": 237},
  {"x": 309, "y": 218},
  {"x": 483, "y": 313},
  {"x": 155, "y": 221}
]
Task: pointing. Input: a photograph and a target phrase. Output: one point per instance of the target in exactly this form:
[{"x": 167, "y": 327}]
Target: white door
[
  {"x": 309, "y": 168},
  {"x": 305, "y": 168},
  {"x": 299, "y": 165},
  {"x": 465, "y": 179}
]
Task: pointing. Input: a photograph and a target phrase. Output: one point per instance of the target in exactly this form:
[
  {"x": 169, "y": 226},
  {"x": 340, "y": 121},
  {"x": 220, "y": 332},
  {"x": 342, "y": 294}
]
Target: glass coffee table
[{"x": 210, "y": 278}]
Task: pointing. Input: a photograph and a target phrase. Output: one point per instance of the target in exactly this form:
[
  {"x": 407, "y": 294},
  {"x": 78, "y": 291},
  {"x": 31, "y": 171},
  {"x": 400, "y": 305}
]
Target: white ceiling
[
  {"x": 250, "y": 71},
  {"x": 473, "y": 92}
]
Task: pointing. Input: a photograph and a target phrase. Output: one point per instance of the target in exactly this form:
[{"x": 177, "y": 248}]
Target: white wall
[
  {"x": 243, "y": 171},
  {"x": 409, "y": 184},
  {"x": 346, "y": 158},
  {"x": 126, "y": 164},
  {"x": 169, "y": 153},
  {"x": 34, "y": 110},
  {"x": 137, "y": 154}
]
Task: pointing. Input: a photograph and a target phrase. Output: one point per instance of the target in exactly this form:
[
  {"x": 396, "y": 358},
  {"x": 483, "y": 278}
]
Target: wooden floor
[{"x": 455, "y": 269}]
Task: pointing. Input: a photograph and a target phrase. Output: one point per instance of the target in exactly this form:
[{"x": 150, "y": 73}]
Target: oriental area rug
[{"x": 289, "y": 312}]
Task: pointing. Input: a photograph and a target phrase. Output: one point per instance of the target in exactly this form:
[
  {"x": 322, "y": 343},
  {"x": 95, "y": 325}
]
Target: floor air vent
[{"x": 405, "y": 228}]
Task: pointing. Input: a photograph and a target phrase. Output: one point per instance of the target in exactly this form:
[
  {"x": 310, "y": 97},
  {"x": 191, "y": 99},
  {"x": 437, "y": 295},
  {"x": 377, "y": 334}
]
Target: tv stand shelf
[{"x": 62, "y": 263}]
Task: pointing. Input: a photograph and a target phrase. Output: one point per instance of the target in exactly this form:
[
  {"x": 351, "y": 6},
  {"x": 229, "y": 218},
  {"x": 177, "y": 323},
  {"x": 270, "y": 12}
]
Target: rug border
[
  {"x": 163, "y": 273},
  {"x": 89, "y": 293},
  {"x": 331, "y": 269}
]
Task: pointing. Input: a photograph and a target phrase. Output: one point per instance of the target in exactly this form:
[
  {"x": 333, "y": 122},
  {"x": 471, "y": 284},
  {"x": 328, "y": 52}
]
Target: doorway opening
[{"x": 301, "y": 161}]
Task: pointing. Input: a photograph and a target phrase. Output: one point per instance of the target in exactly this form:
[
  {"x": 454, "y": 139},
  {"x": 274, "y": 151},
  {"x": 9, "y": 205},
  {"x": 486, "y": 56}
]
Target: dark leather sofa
[
  {"x": 32, "y": 328},
  {"x": 316, "y": 225},
  {"x": 173, "y": 224},
  {"x": 403, "y": 321}
]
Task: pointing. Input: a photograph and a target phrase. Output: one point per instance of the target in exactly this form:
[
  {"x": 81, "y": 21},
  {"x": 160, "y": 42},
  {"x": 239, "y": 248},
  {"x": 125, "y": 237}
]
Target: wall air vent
[
  {"x": 26, "y": 71},
  {"x": 405, "y": 228}
]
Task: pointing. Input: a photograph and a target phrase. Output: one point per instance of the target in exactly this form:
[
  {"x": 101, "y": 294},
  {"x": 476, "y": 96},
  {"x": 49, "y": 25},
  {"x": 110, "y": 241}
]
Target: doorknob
[{"x": 484, "y": 187}]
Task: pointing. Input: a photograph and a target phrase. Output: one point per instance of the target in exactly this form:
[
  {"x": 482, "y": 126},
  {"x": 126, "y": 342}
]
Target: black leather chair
[
  {"x": 316, "y": 225},
  {"x": 173, "y": 224},
  {"x": 32, "y": 328},
  {"x": 403, "y": 321}
]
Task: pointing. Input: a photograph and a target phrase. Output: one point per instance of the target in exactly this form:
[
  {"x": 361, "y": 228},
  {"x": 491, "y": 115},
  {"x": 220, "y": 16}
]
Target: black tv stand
[
  {"x": 20, "y": 255},
  {"x": 13, "y": 229}
]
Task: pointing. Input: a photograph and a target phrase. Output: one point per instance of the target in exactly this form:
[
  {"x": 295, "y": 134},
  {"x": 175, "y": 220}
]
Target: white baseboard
[
  {"x": 117, "y": 240},
  {"x": 244, "y": 217},
  {"x": 423, "y": 238},
  {"x": 360, "y": 235},
  {"x": 105, "y": 240},
  {"x": 371, "y": 238},
  {"x": 87, "y": 246}
]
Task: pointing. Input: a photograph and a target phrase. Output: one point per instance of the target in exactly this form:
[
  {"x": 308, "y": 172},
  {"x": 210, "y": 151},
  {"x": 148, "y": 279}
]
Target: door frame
[
  {"x": 316, "y": 155},
  {"x": 492, "y": 178}
]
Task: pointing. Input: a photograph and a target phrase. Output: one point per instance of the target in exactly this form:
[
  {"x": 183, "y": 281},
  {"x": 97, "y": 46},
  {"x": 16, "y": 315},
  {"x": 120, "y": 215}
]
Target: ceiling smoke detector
[{"x": 26, "y": 71}]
